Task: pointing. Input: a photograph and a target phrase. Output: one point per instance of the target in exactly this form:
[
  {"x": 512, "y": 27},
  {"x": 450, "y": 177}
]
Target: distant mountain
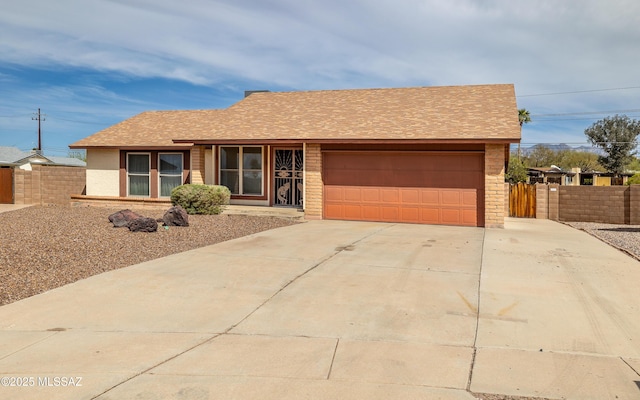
[{"x": 560, "y": 147}]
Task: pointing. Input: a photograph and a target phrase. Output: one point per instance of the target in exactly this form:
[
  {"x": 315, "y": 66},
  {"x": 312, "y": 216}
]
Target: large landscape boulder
[
  {"x": 176, "y": 216},
  {"x": 122, "y": 218},
  {"x": 143, "y": 224}
]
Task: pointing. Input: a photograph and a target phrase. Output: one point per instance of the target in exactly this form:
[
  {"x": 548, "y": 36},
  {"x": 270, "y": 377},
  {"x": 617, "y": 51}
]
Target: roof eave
[{"x": 344, "y": 141}]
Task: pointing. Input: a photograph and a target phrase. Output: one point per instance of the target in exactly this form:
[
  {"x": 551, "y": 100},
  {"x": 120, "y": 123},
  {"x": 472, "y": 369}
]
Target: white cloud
[{"x": 544, "y": 46}]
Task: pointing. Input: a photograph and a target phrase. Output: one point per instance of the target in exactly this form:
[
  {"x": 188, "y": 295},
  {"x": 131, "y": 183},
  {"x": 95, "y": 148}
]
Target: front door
[{"x": 287, "y": 177}]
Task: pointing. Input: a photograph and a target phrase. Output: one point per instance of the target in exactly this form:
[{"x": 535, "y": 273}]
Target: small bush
[
  {"x": 634, "y": 180},
  {"x": 201, "y": 199}
]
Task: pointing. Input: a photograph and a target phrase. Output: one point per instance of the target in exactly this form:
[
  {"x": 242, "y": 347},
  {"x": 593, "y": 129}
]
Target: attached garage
[{"x": 409, "y": 186}]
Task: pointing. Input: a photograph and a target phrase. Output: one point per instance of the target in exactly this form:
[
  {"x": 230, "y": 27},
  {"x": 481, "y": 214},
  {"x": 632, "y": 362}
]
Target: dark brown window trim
[
  {"x": 153, "y": 188},
  {"x": 265, "y": 194}
]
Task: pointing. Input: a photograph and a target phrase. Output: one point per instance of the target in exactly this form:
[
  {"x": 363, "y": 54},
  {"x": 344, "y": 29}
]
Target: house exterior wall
[
  {"x": 494, "y": 185},
  {"x": 46, "y": 184},
  {"x": 601, "y": 181},
  {"x": 313, "y": 195},
  {"x": 103, "y": 172}
]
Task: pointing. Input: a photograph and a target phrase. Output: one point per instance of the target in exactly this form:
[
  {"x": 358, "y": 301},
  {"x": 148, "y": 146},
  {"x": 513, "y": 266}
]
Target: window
[
  {"x": 241, "y": 170},
  {"x": 138, "y": 174},
  {"x": 169, "y": 172}
]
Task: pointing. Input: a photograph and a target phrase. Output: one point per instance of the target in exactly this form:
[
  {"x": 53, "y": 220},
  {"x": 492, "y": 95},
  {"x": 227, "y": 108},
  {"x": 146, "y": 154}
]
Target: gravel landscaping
[
  {"x": 623, "y": 237},
  {"x": 44, "y": 247}
]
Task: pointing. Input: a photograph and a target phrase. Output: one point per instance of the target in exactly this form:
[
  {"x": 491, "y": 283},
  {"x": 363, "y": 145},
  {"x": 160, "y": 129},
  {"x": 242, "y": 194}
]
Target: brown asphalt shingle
[{"x": 482, "y": 112}]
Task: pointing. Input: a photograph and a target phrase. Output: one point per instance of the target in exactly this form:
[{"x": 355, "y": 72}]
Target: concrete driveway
[{"x": 347, "y": 310}]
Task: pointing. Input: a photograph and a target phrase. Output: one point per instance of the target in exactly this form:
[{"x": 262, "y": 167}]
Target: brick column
[
  {"x": 542, "y": 201},
  {"x": 494, "y": 185},
  {"x": 554, "y": 202},
  {"x": 313, "y": 182},
  {"x": 197, "y": 165}
]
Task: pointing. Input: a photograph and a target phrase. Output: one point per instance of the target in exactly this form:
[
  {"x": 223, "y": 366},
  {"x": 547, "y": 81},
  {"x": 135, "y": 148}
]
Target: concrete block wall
[
  {"x": 601, "y": 204},
  {"x": 46, "y": 184},
  {"x": 313, "y": 182},
  {"x": 494, "y": 185},
  {"x": 604, "y": 204},
  {"x": 542, "y": 201}
]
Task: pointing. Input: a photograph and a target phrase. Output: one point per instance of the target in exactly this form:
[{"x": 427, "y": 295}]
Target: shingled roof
[{"x": 458, "y": 113}]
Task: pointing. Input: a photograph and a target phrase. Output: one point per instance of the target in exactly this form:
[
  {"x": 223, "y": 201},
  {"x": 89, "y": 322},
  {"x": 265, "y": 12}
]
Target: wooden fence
[{"x": 522, "y": 200}]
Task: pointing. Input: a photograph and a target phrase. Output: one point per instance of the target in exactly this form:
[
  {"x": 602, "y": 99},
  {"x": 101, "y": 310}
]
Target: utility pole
[{"x": 39, "y": 117}]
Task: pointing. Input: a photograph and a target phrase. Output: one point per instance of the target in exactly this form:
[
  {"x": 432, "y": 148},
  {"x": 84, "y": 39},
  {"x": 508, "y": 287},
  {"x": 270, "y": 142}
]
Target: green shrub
[
  {"x": 201, "y": 199},
  {"x": 634, "y": 180}
]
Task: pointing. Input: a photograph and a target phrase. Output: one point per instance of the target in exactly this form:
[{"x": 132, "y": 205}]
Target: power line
[
  {"x": 579, "y": 91},
  {"x": 586, "y": 113}
]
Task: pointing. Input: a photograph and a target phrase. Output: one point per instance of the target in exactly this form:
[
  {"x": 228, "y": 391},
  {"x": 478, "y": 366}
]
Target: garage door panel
[
  {"x": 334, "y": 210},
  {"x": 469, "y": 217},
  {"x": 333, "y": 193},
  {"x": 390, "y": 213},
  {"x": 404, "y": 187},
  {"x": 410, "y": 214},
  {"x": 370, "y": 213},
  {"x": 469, "y": 198},
  {"x": 352, "y": 211},
  {"x": 352, "y": 194},
  {"x": 430, "y": 196},
  {"x": 429, "y": 215},
  {"x": 451, "y": 216},
  {"x": 390, "y": 195},
  {"x": 370, "y": 195},
  {"x": 450, "y": 197},
  {"x": 410, "y": 196}
]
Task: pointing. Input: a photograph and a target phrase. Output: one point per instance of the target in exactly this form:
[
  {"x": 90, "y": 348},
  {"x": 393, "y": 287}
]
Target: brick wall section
[
  {"x": 197, "y": 165},
  {"x": 494, "y": 185},
  {"x": 603, "y": 204},
  {"x": 542, "y": 202},
  {"x": 506, "y": 198},
  {"x": 47, "y": 184},
  {"x": 634, "y": 204},
  {"x": 313, "y": 182},
  {"x": 553, "y": 199}
]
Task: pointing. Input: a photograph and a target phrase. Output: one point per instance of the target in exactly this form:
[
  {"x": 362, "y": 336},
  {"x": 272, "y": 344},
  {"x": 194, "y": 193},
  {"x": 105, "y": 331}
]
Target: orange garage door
[{"x": 416, "y": 187}]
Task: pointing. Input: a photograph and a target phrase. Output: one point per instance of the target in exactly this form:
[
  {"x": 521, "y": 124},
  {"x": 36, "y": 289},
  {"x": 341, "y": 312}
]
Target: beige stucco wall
[
  {"x": 208, "y": 166},
  {"x": 103, "y": 172},
  {"x": 601, "y": 181}
]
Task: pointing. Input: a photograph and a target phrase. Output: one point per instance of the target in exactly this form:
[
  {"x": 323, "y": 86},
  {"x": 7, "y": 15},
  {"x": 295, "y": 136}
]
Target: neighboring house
[
  {"x": 16, "y": 167},
  {"x": 14, "y": 157},
  {"x": 552, "y": 174},
  {"x": 432, "y": 155},
  {"x": 575, "y": 177},
  {"x": 595, "y": 178}
]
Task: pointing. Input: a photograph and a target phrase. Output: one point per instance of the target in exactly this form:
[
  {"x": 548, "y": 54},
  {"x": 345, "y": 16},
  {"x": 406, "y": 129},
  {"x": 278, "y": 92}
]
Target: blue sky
[{"x": 92, "y": 63}]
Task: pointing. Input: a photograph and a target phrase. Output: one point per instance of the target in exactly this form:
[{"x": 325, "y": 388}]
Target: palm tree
[{"x": 524, "y": 118}]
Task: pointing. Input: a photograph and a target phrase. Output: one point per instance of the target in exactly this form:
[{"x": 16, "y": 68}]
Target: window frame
[
  {"x": 129, "y": 174},
  {"x": 160, "y": 175},
  {"x": 240, "y": 170}
]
